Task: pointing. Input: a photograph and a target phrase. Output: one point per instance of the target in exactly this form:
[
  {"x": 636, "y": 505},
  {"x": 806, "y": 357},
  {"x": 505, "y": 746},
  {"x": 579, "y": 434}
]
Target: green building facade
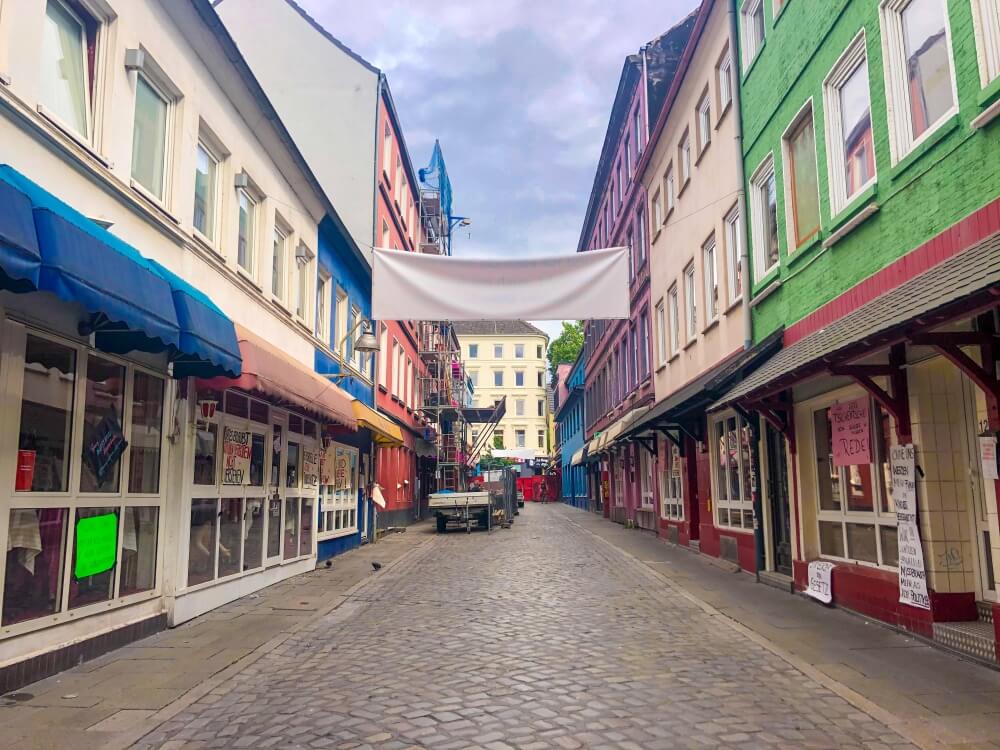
[{"x": 928, "y": 156}]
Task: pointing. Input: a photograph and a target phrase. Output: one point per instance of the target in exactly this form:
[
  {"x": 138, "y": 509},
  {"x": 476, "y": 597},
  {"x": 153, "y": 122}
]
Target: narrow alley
[{"x": 565, "y": 631}]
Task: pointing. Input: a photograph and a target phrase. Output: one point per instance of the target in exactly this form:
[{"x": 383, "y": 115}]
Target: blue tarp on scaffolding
[{"x": 435, "y": 177}]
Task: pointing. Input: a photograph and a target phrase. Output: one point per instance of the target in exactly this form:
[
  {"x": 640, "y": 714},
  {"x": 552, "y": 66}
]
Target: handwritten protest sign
[
  {"x": 236, "y": 456},
  {"x": 912, "y": 575},
  {"x": 310, "y": 467},
  {"x": 326, "y": 462},
  {"x": 340, "y": 473},
  {"x": 851, "y": 433},
  {"x": 988, "y": 456},
  {"x": 820, "y": 581}
]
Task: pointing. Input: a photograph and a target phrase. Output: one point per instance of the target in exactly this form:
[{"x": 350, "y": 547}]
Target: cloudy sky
[{"x": 518, "y": 92}]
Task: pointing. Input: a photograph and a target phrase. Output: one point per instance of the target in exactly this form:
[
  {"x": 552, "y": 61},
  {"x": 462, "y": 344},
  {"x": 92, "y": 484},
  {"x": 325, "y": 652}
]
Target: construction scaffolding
[{"x": 443, "y": 389}]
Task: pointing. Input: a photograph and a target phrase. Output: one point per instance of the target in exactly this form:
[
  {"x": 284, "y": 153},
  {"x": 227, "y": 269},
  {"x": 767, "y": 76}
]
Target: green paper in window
[{"x": 96, "y": 545}]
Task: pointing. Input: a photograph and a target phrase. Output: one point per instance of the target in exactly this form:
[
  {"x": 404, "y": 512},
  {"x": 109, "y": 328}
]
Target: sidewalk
[
  {"x": 937, "y": 697},
  {"x": 111, "y": 701}
]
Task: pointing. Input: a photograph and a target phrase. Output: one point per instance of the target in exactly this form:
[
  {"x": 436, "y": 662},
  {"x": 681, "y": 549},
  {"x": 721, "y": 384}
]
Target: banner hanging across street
[{"x": 414, "y": 286}]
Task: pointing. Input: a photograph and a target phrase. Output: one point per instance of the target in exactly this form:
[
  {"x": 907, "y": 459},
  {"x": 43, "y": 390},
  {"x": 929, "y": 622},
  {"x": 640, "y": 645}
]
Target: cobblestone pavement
[{"x": 535, "y": 637}]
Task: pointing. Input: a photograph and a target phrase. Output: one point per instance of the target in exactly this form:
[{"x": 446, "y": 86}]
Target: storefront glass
[{"x": 338, "y": 494}]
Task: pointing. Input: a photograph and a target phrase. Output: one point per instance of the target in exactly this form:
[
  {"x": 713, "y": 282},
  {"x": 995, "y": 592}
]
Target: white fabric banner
[{"x": 415, "y": 286}]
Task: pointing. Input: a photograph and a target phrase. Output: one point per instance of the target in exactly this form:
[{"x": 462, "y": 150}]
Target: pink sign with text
[{"x": 849, "y": 421}]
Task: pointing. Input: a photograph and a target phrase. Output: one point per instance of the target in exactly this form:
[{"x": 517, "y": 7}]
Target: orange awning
[
  {"x": 272, "y": 373},
  {"x": 384, "y": 431}
]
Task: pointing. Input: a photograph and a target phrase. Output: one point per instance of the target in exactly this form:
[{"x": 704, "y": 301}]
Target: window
[
  {"x": 539, "y": 352},
  {"x": 519, "y": 438},
  {"x": 857, "y": 517},
  {"x": 621, "y": 185},
  {"x": 473, "y": 351},
  {"x": 149, "y": 137},
  {"x": 541, "y": 407},
  {"x": 919, "y": 79},
  {"x": 671, "y": 188},
  {"x": 673, "y": 310},
  {"x": 383, "y": 344},
  {"x": 323, "y": 285},
  {"x": 710, "y": 271},
  {"x": 45, "y": 574},
  {"x": 519, "y": 407},
  {"x": 641, "y": 236},
  {"x": 764, "y": 205},
  {"x": 278, "y": 260},
  {"x": 205, "y": 191},
  {"x": 408, "y": 399},
  {"x": 627, "y": 155},
  {"x": 519, "y": 378},
  {"x": 724, "y": 74},
  {"x": 670, "y": 483},
  {"x": 498, "y": 351},
  {"x": 498, "y": 438},
  {"x": 801, "y": 179},
  {"x": 986, "y": 15},
  {"x": 541, "y": 378},
  {"x": 398, "y": 182},
  {"x": 661, "y": 333},
  {"x": 395, "y": 369},
  {"x": 386, "y": 149},
  {"x": 303, "y": 258},
  {"x": 704, "y": 116},
  {"x": 247, "y": 230},
  {"x": 734, "y": 255},
  {"x": 474, "y": 378},
  {"x": 67, "y": 66},
  {"x": 645, "y": 477},
  {"x": 657, "y": 210},
  {"x": 637, "y": 129},
  {"x": 730, "y": 455},
  {"x": 386, "y": 238},
  {"x": 342, "y": 328},
  {"x": 690, "y": 302},
  {"x": 684, "y": 158},
  {"x": 519, "y": 351},
  {"x": 338, "y": 502},
  {"x": 498, "y": 378},
  {"x": 752, "y": 21},
  {"x": 644, "y": 343}
]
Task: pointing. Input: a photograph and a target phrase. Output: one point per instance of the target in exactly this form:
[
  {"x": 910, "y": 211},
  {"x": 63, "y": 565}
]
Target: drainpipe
[
  {"x": 758, "y": 503},
  {"x": 645, "y": 99},
  {"x": 375, "y": 450},
  {"x": 741, "y": 175}
]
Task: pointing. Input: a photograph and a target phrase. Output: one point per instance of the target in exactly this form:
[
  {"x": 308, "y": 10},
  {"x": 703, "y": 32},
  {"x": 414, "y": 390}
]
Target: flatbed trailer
[{"x": 461, "y": 509}]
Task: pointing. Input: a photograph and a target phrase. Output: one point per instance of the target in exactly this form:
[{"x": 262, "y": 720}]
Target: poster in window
[
  {"x": 96, "y": 545},
  {"x": 341, "y": 472},
  {"x": 310, "y": 467},
  {"x": 851, "y": 432},
  {"x": 326, "y": 463},
  {"x": 236, "y": 454},
  {"x": 912, "y": 575},
  {"x": 105, "y": 444}
]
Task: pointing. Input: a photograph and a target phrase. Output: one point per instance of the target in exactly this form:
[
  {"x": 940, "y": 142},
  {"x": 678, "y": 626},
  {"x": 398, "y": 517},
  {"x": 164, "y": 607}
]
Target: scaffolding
[{"x": 444, "y": 388}]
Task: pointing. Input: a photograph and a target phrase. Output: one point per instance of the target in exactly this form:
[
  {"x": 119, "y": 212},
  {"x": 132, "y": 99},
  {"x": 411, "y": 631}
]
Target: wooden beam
[
  {"x": 954, "y": 338},
  {"x": 872, "y": 371},
  {"x": 978, "y": 374}
]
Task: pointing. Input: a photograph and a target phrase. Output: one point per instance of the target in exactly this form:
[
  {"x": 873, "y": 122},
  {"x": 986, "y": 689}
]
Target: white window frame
[
  {"x": 337, "y": 514},
  {"x": 324, "y": 285},
  {"x": 304, "y": 259},
  {"x": 788, "y": 162},
  {"x": 519, "y": 407},
  {"x": 520, "y": 437},
  {"x": 386, "y": 149},
  {"x": 759, "y": 213},
  {"x": 710, "y": 275},
  {"x": 684, "y": 158},
  {"x": 518, "y": 351},
  {"x": 850, "y": 59},
  {"x": 670, "y": 186},
  {"x": 986, "y": 20},
  {"x": 690, "y": 301},
  {"x": 210, "y": 237},
  {"x": 383, "y": 344},
  {"x": 673, "y": 319},
  {"x": 671, "y": 483},
  {"x": 359, "y": 357},
  {"x": 751, "y": 45},
  {"x": 735, "y": 273},
  {"x": 473, "y": 351},
  {"x": 657, "y": 211},
  {"x": 395, "y": 368},
  {"x": 342, "y": 307},
  {"x": 498, "y": 378},
  {"x": 661, "y": 333},
  {"x": 253, "y": 227},
  {"x": 170, "y": 99},
  {"x": 498, "y": 348},
  {"x": 901, "y": 140},
  {"x": 280, "y": 253},
  {"x": 743, "y": 505},
  {"x": 703, "y": 119},
  {"x": 724, "y": 81},
  {"x": 91, "y": 78}
]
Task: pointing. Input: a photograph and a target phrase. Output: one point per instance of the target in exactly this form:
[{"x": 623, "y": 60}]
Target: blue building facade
[
  {"x": 344, "y": 293},
  {"x": 570, "y": 420}
]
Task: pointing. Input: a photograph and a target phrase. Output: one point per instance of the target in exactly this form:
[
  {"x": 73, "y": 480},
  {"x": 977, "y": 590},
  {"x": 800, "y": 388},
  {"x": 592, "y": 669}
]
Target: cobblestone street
[{"x": 535, "y": 637}]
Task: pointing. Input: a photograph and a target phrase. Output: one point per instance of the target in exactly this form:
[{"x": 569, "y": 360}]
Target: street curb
[
  {"x": 132, "y": 736},
  {"x": 856, "y": 699}
]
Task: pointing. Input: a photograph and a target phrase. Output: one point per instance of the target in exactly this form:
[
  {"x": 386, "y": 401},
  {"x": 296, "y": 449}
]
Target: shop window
[
  {"x": 919, "y": 78},
  {"x": 46, "y": 416},
  {"x": 273, "y": 527},
  {"x": 205, "y": 453},
  {"x": 857, "y": 518},
  {"x": 292, "y": 465},
  {"x": 338, "y": 500},
  {"x": 230, "y": 532},
  {"x": 291, "y": 527},
  {"x": 645, "y": 477},
  {"x": 670, "y": 484},
  {"x": 67, "y": 65},
  {"x": 34, "y": 568},
  {"x": 253, "y": 545},
  {"x": 94, "y": 560},
  {"x": 850, "y": 145},
  {"x": 102, "y": 428},
  {"x": 731, "y": 468},
  {"x": 237, "y": 404},
  {"x": 146, "y": 434},
  {"x": 139, "y": 549},
  {"x": 202, "y": 541}
]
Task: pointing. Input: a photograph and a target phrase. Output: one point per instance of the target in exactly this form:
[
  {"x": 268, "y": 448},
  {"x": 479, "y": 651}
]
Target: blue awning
[{"x": 135, "y": 303}]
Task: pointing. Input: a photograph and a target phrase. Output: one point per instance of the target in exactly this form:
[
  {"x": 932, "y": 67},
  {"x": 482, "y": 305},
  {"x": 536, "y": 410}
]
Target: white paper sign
[
  {"x": 310, "y": 467},
  {"x": 988, "y": 456},
  {"x": 912, "y": 575},
  {"x": 236, "y": 450},
  {"x": 820, "y": 581}
]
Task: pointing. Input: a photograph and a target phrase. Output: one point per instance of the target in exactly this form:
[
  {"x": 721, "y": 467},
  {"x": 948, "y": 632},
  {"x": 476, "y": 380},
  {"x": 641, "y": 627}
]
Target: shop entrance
[
  {"x": 777, "y": 493},
  {"x": 982, "y": 491}
]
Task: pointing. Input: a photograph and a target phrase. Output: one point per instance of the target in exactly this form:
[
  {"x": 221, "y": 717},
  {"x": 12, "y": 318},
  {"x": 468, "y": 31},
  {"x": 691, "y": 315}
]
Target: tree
[{"x": 566, "y": 348}]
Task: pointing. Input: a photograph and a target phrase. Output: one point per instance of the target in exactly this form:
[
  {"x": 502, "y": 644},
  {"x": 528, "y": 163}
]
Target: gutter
[
  {"x": 375, "y": 170},
  {"x": 741, "y": 174},
  {"x": 645, "y": 98}
]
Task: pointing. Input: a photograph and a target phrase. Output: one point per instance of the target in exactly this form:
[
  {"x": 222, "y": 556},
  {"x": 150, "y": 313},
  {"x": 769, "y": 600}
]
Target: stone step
[
  {"x": 976, "y": 638},
  {"x": 776, "y": 580}
]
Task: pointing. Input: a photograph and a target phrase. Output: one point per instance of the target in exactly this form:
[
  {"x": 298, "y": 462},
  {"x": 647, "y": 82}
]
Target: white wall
[{"x": 327, "y": 99}]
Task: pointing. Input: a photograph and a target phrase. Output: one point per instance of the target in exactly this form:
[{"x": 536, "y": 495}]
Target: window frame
[
  {"x": 735, "y": 273},
  {"x": 671, "y": 504},
  {"x": 803, "y": 118},
  {"x": 169, "y": 98},
  {"x": 720, "y": 501},
  {"x": 670, "y": 188},
  {"x": 901, "y": 140},
  {"x": 724, "y": 73},
  {"x": 324, "y": 306},
  {"x": 93, "y": 74},
  {"x": 710, "y": 279},
  {"x": 760, "y": 216},
  {"x": 751, "y": 45},
  {"x": 280, "y": 229},
  {"x": 212, "y": 151},
  {"x": 684, "y": 158},
  {"x": 660, "y": 316},
  {"x": 338, "y": 503},
  {"x": 986, "y": 23},
  {"x": 703, "y": 121},
  {"x": 253, "y": 227},
  {"x": 673, "y": 319},
  {"x": 690, "y": 301}
]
